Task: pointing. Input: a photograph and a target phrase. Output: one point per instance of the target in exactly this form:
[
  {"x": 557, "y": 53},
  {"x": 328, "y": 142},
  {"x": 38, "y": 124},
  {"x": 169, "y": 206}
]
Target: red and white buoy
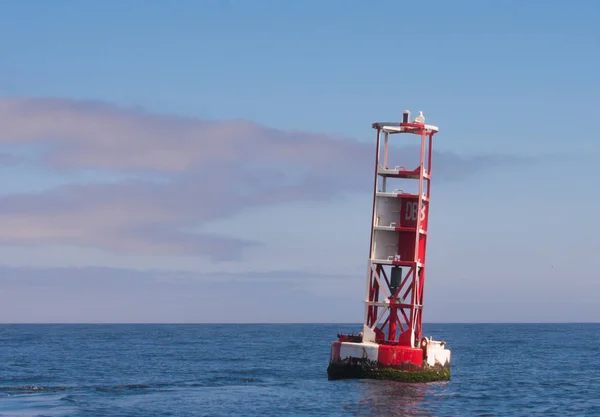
[{"x": 391, "y": 344}]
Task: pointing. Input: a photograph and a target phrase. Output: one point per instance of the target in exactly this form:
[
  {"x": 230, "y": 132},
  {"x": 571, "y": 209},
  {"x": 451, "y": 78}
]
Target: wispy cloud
[
  {"x": 123, "y": 295},
  {"x": 95, "y": 135},
  {"x": 209, "y": 169},
  {"x": 7, "y": 159}
]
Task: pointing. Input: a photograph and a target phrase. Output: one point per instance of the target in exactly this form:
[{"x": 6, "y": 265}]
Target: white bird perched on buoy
[{"x": 420, "y": 118}]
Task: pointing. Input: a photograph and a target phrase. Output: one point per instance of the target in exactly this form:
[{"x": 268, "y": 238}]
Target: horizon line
[{"x": 288, "y": 323}]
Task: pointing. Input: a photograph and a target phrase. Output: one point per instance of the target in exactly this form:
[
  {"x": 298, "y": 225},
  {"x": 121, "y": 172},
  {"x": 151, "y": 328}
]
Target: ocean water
[{"x": 280, "y": 370}]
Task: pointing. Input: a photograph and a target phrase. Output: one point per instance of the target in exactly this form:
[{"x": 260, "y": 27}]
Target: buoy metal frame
[{"x": 391, "y": 344}]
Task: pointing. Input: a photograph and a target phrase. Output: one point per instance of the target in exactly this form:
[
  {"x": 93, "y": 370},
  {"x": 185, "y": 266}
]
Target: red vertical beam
[
  {"x": 393, "y": 319},
  {"x": 429, "y": 165},
  {"x": 418, "y": 331}
]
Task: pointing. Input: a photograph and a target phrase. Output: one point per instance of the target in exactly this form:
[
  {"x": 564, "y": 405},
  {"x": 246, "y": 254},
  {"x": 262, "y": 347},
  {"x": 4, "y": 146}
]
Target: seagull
[{"x": 420, "y": 118}]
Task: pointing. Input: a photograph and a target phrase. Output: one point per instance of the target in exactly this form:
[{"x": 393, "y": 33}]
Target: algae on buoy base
[{"x": 369, "y": 370}]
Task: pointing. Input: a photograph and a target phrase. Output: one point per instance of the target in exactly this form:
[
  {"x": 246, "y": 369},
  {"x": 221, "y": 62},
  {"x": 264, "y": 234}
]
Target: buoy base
[{"x": 353, "y": 358}]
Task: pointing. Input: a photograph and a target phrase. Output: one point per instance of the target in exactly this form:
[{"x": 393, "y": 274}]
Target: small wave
[
  {"x": 68, "y": 399},
  {"x": 218, "y": 381},
  {"x": 123, "y": 387},
  {"x": 33, "y": 388},
  {"x": 235, "y": 379}
]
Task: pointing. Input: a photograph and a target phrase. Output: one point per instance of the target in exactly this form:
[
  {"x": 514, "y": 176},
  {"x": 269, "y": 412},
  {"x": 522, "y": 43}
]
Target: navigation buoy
[{"x": 391, "y": 345}]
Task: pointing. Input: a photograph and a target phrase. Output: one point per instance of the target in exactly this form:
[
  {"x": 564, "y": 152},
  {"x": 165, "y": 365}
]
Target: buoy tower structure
[{"x": 391, "y": 344}]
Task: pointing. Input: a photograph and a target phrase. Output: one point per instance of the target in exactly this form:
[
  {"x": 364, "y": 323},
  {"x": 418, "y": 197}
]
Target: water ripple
[{"x": 279, "y": 370}]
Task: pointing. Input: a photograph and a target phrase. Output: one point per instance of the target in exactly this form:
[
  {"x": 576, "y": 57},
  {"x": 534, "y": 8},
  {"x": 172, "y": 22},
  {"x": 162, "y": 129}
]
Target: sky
[{"x": 211, "y": 161}]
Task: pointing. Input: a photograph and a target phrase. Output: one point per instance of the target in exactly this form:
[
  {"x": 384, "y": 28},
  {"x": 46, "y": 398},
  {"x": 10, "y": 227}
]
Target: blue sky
[{"x": 163, "y": 162}]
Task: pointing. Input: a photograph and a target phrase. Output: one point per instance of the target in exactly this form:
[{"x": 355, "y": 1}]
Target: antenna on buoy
[{"x": 391, "y": 344}]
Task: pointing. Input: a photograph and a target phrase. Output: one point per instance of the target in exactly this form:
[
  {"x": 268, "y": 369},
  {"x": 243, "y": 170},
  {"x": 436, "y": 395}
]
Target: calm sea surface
[{"x": 280, "y": 370}]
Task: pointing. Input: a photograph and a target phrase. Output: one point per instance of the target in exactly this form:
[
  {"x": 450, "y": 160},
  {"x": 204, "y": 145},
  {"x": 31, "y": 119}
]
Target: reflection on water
[{"x": 388, "y": 398}]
